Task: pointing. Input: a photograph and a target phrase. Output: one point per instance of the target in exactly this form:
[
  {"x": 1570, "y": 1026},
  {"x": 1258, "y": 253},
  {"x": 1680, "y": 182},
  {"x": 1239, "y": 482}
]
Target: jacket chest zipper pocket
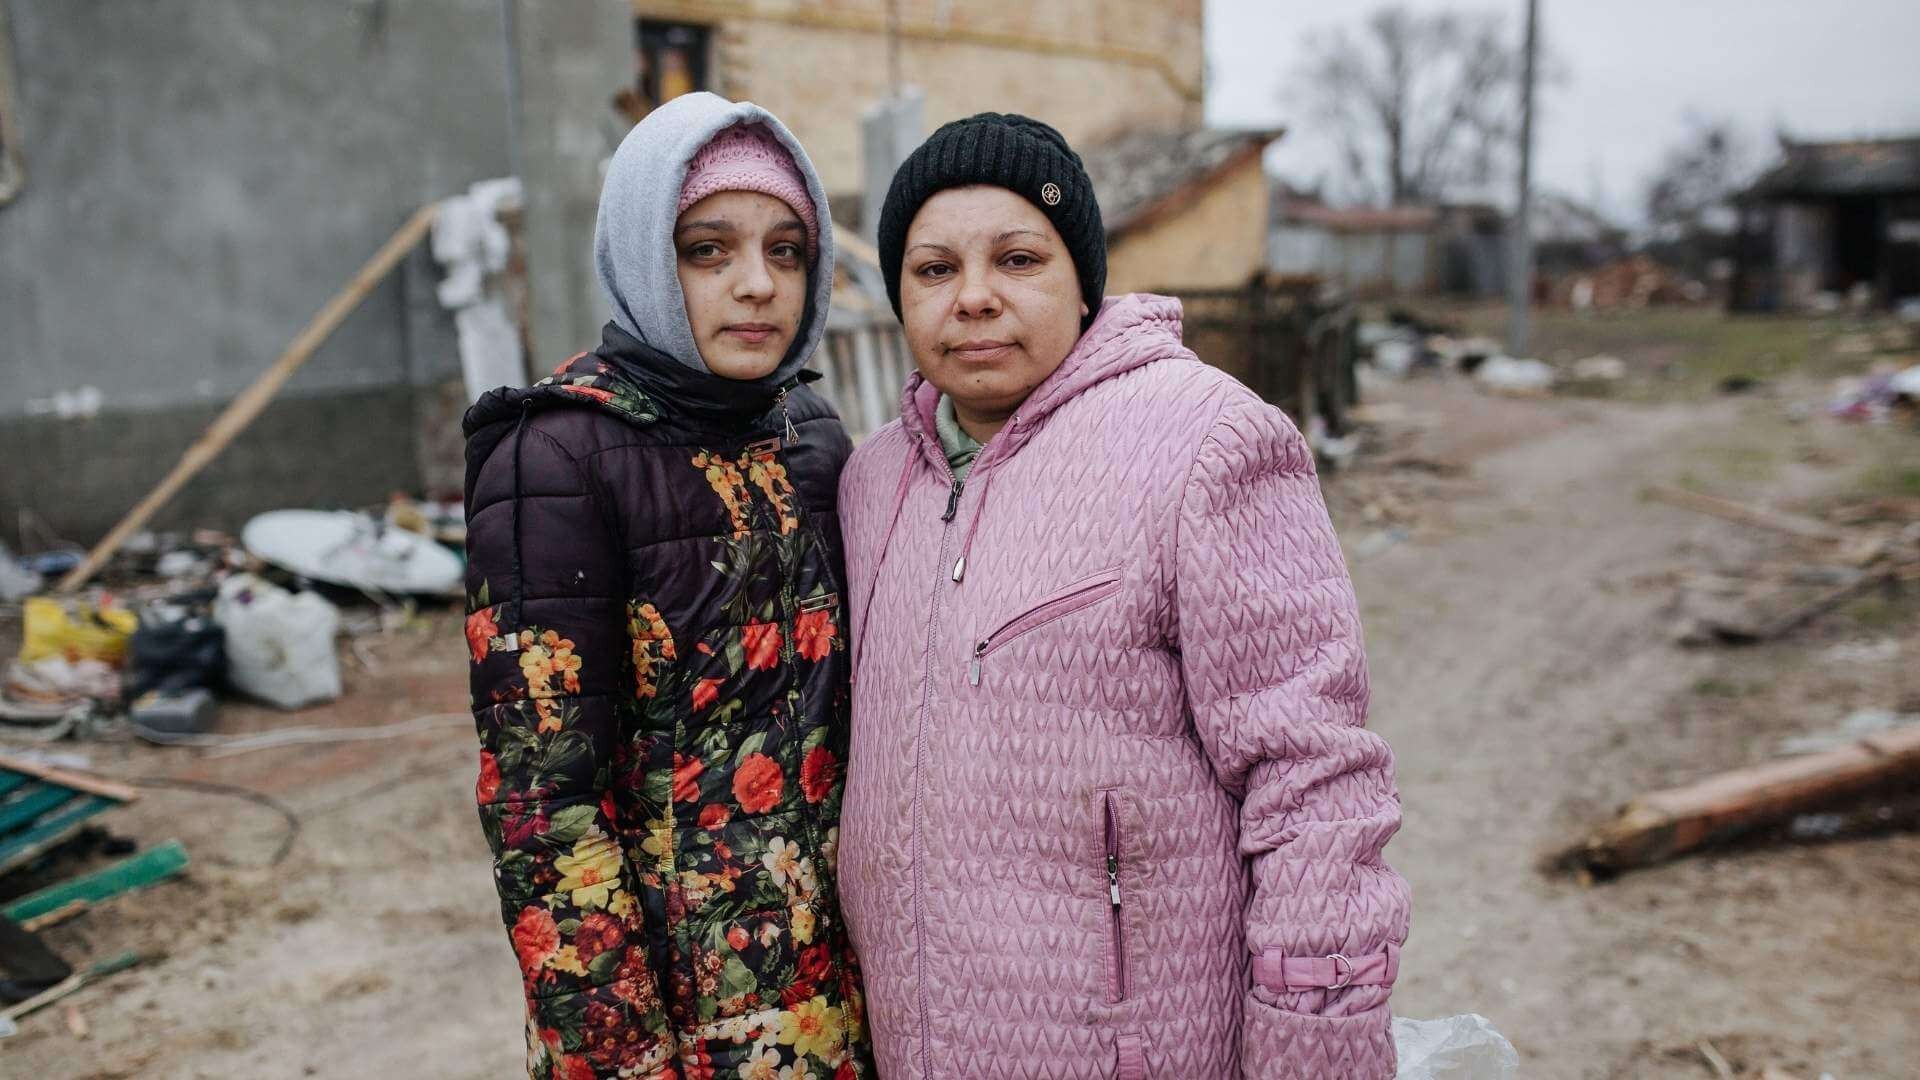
[
  {"x": 1116, "y": 912},
  {"x": 1081, "y": 594}
]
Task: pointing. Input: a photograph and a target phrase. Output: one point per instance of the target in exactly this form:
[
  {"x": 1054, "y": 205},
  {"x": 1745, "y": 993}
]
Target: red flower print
[
  {"x": 813, "y": 634},
  {"x": 481, "y": 630},
  {"x": 757, "y": 783},
  {"x": 593, "y": 392},
  {"x": 572, "y": 1067},
  {"x": 599, "y": 932},
  {"x": 714, "y": 815},
  {"x": 798, "y": 991},
  {"x": 535, "y": 938},
  {"x": 762, "y": 642},
  {"x": 489, "y": 783},
  {"x": 818, "y": 773},
  {"x": 737, "y": 938},
  {"x": 705, "y": 693},
  {"x": 813, "y": 962},
  {"x": 686, "y": 778}
]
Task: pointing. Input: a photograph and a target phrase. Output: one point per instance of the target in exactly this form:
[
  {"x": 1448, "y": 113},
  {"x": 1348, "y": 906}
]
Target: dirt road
[{"x": 1522, "y": 671}]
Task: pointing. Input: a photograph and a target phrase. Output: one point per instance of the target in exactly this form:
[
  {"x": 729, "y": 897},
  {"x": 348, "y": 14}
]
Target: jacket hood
[
  {"x": 1129, "y": 331},
  {"x": 633, "y": 250}
]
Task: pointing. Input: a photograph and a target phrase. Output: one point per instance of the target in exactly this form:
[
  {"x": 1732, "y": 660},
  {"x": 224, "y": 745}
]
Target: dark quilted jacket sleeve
[
  {"x": 548, "y": 675},
  {"x": 1271, "y": 650}
]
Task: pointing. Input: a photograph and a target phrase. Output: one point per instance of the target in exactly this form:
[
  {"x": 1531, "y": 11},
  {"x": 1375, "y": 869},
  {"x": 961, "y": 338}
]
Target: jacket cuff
[{"x": 1279, "y": 1045}]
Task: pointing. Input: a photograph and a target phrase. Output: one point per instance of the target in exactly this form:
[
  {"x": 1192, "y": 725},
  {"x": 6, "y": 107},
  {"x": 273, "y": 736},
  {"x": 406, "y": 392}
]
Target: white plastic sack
[
  {"x": 279, "y": 644},
  {"x": 1464, "y": 1047},
  {"x": 1521, "y": 378}
]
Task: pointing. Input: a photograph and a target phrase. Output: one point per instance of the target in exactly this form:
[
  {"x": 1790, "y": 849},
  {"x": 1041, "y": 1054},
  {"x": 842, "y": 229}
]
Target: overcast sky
[{"x": 1634, "y": 68}]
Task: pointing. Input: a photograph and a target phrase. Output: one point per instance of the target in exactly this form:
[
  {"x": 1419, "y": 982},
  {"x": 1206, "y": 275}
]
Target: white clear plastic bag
[
  {"x": 1464, "y": 1047},
  {"x": 279, "y": 644}
]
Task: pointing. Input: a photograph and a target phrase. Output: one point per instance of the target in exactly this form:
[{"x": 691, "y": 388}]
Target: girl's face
[
  {"x": 743, "y": 269},
  {"x": 989, "y": 297}
]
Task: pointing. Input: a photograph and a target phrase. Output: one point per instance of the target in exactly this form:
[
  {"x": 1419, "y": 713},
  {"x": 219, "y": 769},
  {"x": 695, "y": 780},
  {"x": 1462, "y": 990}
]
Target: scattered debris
[
  {"x": 1858, "y": 725},
  {"x": 1600, "y": 369},
  {"x": 1664, "y": 824},
  {"x": 1516, "y": 378},
  {"x": 72, "y": 985},
  {"x": 279, "y": 644},
  {"x": 75, "y": 630},
  {"x": 173, "y": 711},
  {"x": 16, "y": 581},
  {"x": 353, "y": 550}
]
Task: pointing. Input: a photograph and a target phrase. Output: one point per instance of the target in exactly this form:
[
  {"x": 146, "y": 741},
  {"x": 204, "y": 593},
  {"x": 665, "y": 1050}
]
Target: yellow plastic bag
[{"x": 76, "y": 633}]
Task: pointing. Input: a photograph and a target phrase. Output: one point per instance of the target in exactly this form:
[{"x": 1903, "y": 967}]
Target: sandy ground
[{"x": 1523, "y": 671}]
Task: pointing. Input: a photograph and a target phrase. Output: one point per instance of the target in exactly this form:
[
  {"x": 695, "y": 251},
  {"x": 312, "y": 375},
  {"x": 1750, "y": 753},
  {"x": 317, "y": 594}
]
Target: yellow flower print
[
  {"x": 549, "y": 715},
  {"x": 803, "y": 923},
  {"x": 591, "y": 872},
  {"x": 623, "y": 904},
  {"x": 659, "y": 844},
  {"x": 770, "y": 477},
  {"x": 544, "y": 656},
  {"x": 567, "y": 959},
  {"x": 652, "y": 647},
  {"x": 723, "y": 477},
  {"x": 813, "y": 1028}
]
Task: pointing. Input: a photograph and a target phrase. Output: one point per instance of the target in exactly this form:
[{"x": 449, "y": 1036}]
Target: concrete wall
[
  {"x": 1089, "y": 67},
  {"x": 1217, "y": 241},
  {"x": 202, "y": 176}
]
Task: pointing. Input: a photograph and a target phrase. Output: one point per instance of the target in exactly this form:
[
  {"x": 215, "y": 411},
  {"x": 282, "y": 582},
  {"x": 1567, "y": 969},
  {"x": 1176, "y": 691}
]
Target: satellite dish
[{"x": 340, "y": 547}]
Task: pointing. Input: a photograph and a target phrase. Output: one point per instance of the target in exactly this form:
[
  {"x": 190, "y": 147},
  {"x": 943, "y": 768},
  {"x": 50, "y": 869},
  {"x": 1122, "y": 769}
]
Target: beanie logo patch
[{"x": 1050, "y": 194}]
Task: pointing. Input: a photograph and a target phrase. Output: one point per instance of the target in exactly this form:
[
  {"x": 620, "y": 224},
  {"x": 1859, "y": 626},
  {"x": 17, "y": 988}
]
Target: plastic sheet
[{"x": 1464, "y": 1047}]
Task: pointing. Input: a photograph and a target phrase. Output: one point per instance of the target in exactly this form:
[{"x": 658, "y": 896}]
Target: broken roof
[
  {"x": 1136, "y": 174},
  {"x": 1864, "y": 167}
]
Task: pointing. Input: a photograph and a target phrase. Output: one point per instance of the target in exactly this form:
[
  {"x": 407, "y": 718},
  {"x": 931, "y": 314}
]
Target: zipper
[
  {"x": 1116, "y": 915},
  {"x": 919, "y": 771},
  {"x": 1081, "y": 594}
]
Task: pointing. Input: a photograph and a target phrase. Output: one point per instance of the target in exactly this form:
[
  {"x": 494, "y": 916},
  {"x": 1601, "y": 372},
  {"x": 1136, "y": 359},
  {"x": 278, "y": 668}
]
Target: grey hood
[{"x": 633, "y": 238}]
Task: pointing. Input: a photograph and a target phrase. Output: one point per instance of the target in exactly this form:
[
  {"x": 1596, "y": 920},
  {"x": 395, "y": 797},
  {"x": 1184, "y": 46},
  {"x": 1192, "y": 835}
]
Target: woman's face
[
  {"x": 743, "y": 269},
  {"x": 990, "y": 298}
]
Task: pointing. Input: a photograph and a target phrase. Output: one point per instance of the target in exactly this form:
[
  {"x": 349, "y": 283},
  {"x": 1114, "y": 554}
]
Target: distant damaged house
[
  {"x": 1834, "y": 217},
  {"x": 1183, "y": 209},
  {"x": 1389, "y": 251}
]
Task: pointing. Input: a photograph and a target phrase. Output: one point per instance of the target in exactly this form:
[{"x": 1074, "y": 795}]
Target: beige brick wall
[
  {"x": 1089, "y": 67},
  {"x": 1218, "y": 241}
]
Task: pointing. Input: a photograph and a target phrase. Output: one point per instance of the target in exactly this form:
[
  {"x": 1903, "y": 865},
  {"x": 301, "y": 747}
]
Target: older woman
[{"x": 1111, "y": 806}]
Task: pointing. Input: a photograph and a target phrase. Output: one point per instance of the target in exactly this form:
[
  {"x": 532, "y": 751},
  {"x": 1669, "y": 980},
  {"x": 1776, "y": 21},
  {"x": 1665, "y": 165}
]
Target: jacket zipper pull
[
  {"x": 953, "y": 501},
  {"x": 1113, "y": 881},
  {"x": 793, "y": 436},
  {"x": 973, "y": 672}
]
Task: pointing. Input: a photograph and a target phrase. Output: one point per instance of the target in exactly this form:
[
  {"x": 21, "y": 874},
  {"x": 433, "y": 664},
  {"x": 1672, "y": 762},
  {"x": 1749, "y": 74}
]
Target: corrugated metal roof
[{"x": 1866, "y": 167}]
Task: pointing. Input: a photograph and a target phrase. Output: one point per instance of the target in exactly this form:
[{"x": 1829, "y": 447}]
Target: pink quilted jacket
[{"x": 1111, "y": 810}]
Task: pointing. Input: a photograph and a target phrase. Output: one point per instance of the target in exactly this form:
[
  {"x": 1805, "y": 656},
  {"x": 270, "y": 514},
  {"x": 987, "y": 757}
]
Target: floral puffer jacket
[{"x": 660, "y": 686}]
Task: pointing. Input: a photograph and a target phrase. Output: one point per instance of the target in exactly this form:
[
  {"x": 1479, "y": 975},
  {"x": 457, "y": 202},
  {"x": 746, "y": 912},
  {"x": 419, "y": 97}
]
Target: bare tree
[
  {"x": 1693, "y": 189},
  {"x": 1419, "y": 104}
]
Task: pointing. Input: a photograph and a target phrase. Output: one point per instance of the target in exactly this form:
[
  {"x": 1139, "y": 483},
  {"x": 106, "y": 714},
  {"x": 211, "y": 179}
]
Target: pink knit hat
[{"x": 747, "y": 157}]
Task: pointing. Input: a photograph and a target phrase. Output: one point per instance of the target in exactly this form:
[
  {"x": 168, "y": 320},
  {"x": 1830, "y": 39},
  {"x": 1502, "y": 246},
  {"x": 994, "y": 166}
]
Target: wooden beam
[
  {"x": 92, "y": 785},
  {"x": 147, "y": 868},
  {"x": 1792, "y": 524},
  {"x": 1666, "y": 823},
  {"x": 246, "y": 407}
]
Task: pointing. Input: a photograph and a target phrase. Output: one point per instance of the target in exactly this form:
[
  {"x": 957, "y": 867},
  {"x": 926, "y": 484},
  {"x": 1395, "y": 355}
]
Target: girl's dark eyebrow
[
  {"x": 1011, "y": 233},
  {"x": 790, "y": 225},
  {"x": 939, "y": 249},
  {"x": 716, "y": 224}
]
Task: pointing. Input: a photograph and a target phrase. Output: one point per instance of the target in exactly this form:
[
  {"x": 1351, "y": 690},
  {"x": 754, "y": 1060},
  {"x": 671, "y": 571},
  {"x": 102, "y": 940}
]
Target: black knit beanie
[{"x": 1024, "y": 156}]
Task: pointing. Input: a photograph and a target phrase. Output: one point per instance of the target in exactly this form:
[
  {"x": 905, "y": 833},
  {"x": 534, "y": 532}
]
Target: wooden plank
[
  {"x": 92, "y": 785},
  {"x": 1792, "y": 524},
  {"x": 147, "y": 868},
  {"x": 21, "y": 847},
  {"x": 1663, "y": 824},
  {"x": 244, "y": 408},
  {"x": 11, "y": 780}
]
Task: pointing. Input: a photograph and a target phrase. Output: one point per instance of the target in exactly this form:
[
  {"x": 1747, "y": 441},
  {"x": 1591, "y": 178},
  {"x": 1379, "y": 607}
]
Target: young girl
[{"x": 656, "y": 628}]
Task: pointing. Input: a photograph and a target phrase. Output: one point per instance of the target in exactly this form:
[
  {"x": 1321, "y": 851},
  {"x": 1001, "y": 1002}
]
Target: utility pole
[
  {"x": 1520, "y": 271},
  {"x": 510, "y": 34}
]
